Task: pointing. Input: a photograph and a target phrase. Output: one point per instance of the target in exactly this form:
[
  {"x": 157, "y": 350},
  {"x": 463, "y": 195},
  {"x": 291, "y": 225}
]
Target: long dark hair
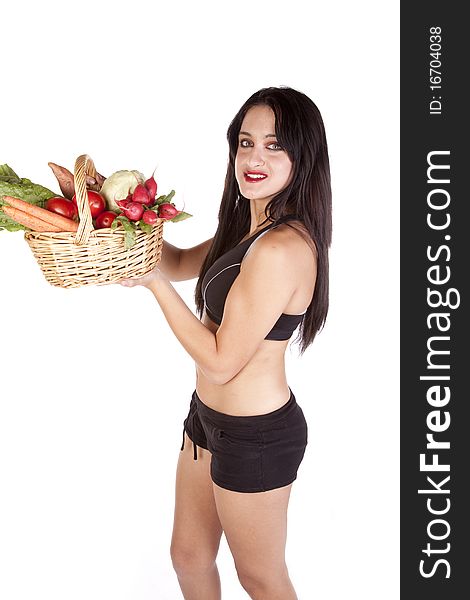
[{"x": 300, "y": 131}]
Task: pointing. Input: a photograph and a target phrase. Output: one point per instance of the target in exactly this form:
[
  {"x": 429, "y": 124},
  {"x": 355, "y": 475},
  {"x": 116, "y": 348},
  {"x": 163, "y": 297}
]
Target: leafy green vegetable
[
  {"x": 25, "y": 189},
  {"x": 145, "y": 227},
  {"x": 170, "y": 196},
  {"x": 7, "y": 174},
  {"x": 181, "y": 216},
  {"x": 163, "y": 199},
  {"x": 130, "y": 232},
  {"x": 115, "y": 223}
]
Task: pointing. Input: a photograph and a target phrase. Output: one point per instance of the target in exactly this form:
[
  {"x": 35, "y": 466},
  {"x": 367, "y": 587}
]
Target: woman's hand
[{"x": 146, "y": 280}]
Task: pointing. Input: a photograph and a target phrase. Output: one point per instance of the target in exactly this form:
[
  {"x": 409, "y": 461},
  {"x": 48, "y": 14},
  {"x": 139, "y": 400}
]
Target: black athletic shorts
[{"x": 252, "y": 453}]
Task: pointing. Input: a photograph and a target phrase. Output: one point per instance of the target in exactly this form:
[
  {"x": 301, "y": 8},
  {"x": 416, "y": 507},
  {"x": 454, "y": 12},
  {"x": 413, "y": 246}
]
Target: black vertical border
[{"x": 421, "y": 133}]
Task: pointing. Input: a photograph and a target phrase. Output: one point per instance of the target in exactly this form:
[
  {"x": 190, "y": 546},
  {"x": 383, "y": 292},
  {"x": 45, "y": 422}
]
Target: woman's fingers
[
  {"x": 144, "y": 280},
  {"x": 132, "y": 282}
]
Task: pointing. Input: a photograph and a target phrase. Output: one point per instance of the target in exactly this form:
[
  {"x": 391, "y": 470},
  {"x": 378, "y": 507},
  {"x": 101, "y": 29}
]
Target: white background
[{"x": 94, "y": 384}]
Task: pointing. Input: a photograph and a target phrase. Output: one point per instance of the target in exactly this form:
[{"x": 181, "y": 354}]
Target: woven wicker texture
[{"x": 93, "y": 256}]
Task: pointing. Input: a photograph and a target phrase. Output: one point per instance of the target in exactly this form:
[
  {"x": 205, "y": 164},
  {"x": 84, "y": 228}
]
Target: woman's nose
[{"x": 256, "y": 157}]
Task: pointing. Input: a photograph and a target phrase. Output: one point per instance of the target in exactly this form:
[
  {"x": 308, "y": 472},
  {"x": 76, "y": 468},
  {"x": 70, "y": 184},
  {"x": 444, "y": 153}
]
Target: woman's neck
[{"x": 258, "y": 216}]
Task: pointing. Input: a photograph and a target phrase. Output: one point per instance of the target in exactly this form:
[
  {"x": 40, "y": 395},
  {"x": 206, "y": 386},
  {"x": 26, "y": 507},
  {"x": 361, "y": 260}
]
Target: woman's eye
[{"x": 273, "y": 146}]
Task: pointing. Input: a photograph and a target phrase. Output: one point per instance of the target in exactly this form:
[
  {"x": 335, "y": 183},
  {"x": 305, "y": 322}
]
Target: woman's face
[{"x": 262, "y": 167}]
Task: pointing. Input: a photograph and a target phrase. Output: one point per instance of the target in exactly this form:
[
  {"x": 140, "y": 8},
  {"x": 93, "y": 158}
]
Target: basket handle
[{"x": 83, "y": 166}]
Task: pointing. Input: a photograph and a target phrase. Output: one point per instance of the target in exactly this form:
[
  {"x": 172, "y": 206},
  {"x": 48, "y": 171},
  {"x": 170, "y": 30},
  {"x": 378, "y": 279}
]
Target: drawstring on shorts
[{"x": 194, "y": 445}]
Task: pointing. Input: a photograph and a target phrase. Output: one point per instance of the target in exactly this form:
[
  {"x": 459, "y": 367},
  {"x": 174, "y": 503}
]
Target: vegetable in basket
[
  {"x": 17, "y": 187},
  {"x": 118, "y": 186},
  {"x": 134, "y": 198},
  {"x": 126, "y": 199},
  {"x": 30, "y": 215},
  {"x": 105, "y": 219},
  {"x": 96, "y": 202},
  {"x": 66, "y": 180},
  {"x": 63, "y": 207}
]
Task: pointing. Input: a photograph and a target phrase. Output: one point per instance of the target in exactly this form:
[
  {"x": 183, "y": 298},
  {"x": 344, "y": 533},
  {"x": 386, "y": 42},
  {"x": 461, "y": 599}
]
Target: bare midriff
[{"x": 259, "y": 388}]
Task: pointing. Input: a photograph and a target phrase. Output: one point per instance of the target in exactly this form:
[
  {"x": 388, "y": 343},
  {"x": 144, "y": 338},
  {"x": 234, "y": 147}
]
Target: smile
[{"x": 254, "y": 176}]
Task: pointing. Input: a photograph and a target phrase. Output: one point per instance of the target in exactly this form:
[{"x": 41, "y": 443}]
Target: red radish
[
  {"x": 150, "y": 217},
  {"x": 133, "y": 211},
  {"x": 151, "y": 186},
  {"x": 141, "y": 194},
  {"x": 167, "y": 211},
  {"x": 123, "y": 203}
]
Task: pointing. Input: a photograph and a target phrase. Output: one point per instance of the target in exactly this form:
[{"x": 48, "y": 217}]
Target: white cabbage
[{"x": 118, "y": 185}]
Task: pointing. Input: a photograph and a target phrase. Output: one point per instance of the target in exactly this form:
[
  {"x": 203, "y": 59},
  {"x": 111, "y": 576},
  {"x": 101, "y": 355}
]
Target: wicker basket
[{"x": 89, "y": 256}]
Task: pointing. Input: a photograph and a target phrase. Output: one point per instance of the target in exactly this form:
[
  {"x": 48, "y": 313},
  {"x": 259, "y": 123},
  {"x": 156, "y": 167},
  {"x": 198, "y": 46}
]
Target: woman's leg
[
  {"x": 255, "y": 525},
  {"x": 196, "y": 529}
]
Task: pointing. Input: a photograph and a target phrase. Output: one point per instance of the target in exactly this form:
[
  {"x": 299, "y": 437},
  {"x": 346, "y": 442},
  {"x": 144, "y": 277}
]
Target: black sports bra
[{"x": 222, "y": 273}]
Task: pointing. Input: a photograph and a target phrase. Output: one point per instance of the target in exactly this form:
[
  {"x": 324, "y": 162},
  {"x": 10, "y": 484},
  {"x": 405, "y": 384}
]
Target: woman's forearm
[
  {"x": 181, "y": 264},
  {"x": 198, "y": 341}
]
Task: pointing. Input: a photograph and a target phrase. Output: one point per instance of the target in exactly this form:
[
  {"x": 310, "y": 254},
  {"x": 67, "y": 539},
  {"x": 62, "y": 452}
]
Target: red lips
[{"x": 256, "y": 176}]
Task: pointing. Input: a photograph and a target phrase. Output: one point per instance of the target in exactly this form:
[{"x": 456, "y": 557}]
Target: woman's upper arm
[
  {"x": 256, "y": 300},
  {"x": 190, "y": 261}
]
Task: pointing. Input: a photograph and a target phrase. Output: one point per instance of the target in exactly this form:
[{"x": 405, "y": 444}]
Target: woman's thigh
[
  {"x": 196, "y": 528},
  {"x": 255, "y": 525}
]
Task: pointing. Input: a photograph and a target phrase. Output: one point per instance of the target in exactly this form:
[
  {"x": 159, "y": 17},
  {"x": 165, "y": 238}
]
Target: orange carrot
[
  {"x": 48, "y": 216},
  {"x": 28, "y": 220}
]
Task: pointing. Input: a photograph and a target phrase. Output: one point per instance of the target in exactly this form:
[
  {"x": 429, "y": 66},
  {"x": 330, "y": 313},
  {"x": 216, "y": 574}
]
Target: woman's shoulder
[
  {"x": 283, "y": 244},
  {"x": 295, "y": 238}
]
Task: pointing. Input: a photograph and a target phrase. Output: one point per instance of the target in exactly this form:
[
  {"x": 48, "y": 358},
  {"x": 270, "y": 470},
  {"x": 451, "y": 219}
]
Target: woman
[{"x": 263, "y": 274}]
